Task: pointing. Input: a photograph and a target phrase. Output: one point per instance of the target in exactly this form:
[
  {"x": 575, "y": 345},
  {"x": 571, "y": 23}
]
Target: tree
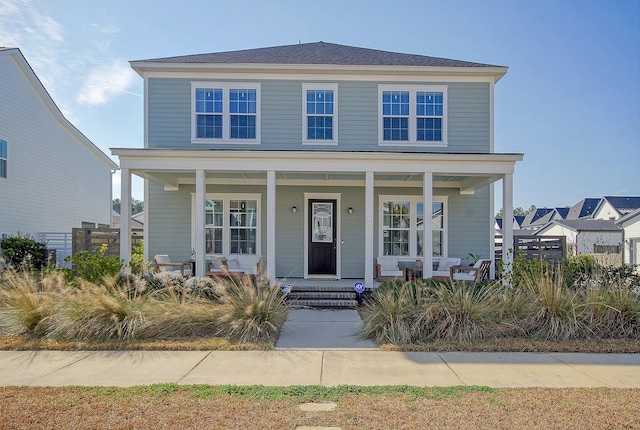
[
  {"x": 519, "y": 211},
  {"x": 136, "y": 205}
]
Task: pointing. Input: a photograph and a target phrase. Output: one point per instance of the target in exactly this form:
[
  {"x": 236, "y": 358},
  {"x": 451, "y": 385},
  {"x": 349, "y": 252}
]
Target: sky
[{"x": 570, "y": 100}]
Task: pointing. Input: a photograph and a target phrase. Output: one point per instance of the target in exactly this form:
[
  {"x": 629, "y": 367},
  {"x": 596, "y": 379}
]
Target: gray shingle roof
[
  {"x": 318, "y": 53},
  {"x": 589, "y": 224}
]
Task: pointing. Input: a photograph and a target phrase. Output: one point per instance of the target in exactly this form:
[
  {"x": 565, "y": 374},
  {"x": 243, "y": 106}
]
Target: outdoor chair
[
  {"x": 475, "y": 273},
  {"x": 162, "y": 263}
]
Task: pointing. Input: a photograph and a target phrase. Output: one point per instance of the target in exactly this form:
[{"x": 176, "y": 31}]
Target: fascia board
[
  {"x": 308, "y": 162},
  {"x": 145, "y": 68}
]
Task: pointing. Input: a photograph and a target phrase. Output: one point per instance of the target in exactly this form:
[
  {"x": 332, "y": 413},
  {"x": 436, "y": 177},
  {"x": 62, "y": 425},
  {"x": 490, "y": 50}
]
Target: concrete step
[
  {"x": 325, "y": 288},
  {"x": 322, "y": 295},
  {"x": 323, "y": 303}
]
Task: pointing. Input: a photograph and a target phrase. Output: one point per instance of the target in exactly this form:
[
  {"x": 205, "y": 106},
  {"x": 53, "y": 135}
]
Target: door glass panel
[{"x": 322, "y": 214}]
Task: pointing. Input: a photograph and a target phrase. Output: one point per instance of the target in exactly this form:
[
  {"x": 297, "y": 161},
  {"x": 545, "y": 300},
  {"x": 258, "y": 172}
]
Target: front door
[{"x": 322, "y": 237}]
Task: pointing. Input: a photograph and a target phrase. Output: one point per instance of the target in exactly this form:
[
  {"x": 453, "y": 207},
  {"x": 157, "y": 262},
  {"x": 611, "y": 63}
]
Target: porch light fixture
[
  {"x": 350, "y": 210},
  {"x": 294, "y": 209}
]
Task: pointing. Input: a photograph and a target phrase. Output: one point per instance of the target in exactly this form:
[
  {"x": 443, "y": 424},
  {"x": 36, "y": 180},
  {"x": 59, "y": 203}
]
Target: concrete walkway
[
  {"x": 335, "y": 329},
  {"x": 318, "y": 367}
]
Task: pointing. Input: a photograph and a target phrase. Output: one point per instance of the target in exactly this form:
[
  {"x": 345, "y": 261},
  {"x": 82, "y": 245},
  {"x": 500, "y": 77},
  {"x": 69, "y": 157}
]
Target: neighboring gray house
[
  {"x": 602, "y": 238},
  {"x": 318, "y": 158},
  {"x": 52, "y": 178},
  {"x": 615, "y": 207},
  {"x": 583, "y": 209}
]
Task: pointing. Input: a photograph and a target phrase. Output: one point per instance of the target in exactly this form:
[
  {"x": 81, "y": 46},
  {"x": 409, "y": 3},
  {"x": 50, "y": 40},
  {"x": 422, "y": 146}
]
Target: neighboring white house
[
  {"x": 630, "y": 224},
  {"x": 615, "y": 207},
  {"x": 602, "y": 238},
  {"x": 52, "y": 178}
]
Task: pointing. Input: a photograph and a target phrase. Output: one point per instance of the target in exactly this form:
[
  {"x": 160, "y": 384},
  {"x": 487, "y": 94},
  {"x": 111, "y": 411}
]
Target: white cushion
[
  {"x": 162, "y": 259},
  {"x": 388, "y": 264},
  {"x": 444, "y": 264},
  {"x": 478, "y": 264},
  {"x": 216, "y": 263},
  {"x": 391, "y": 272},
  {"x": 471, "y": 276},
  {"x": 232, "y": 264}
]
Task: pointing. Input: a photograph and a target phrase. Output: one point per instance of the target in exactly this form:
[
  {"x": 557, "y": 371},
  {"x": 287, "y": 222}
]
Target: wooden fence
[
  {"x": 552, "y": 249},
  {"x": 90, "y": 239}
]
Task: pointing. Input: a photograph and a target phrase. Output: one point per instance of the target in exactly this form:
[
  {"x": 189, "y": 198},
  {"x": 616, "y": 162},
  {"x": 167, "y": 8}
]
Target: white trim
[
  {"x": 413, "y": 138},
  {"x": 323, "y": 196},
  {"x": 413, "y": 227},
  {"x": 324, "y": 86},
  {"x": 369, "y": 198},
  {"x": 226, "y": 114},
  {"x": 271, "y": 225}
]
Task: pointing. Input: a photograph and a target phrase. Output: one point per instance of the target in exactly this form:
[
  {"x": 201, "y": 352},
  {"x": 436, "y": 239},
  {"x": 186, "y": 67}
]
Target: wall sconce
[
  {"x": 294, "y": 209},
  {"x": 350, "y": 210}
]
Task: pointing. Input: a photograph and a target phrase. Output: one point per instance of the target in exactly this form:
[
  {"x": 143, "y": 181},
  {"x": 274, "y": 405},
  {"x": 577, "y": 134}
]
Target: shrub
[
  {"x": 255, "y": 310},
  {"x": 613, "y": 312},
  {"x": 204, "y": 288},
  {"x": 23, "y": 252},
  {"x": 558, "y": 312},
  {"x": 459, "y": 311},
  {"x": 389, "y": 314},
  {"x": 137, "y": 263},
  {"x": 27, "y": 301},
  {"x": 95, "y": 267}
]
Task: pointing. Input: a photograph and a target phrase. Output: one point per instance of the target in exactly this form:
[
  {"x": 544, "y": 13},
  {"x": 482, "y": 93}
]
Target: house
[
  {"x": 583, "y": 209},
  {"x": 630, "y": 224},
  {"x": 602, "y": 238},
  {"x": 540, "y": 217},
  {"x": 318, "y": 158},
  {"x": 52, "y": 178},
  {"x": 615, "y": 207}
]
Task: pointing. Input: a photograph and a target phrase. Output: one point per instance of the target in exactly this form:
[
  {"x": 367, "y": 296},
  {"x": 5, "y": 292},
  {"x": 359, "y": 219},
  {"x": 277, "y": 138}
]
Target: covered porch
[{"x": 317, "y": 178}]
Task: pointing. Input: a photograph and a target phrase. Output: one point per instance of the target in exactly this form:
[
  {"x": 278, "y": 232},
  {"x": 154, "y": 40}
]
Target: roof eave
[{"x": 497, "y": 72}]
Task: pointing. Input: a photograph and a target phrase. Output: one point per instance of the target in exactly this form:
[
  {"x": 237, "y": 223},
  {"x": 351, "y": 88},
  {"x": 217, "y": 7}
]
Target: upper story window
[
  {"x": 3, "y": 158},
  {"x": 225, "y": 112},
  {"x": 320, "y": 113},
  {"x": 412, "y": 114}
]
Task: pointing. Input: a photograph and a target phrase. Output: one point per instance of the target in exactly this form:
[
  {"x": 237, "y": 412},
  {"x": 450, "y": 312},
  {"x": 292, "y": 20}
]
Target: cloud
[{"x": 106, "y": 82}]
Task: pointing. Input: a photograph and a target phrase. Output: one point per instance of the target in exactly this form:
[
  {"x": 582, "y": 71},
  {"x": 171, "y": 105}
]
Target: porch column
[
  {"x": 507, "y": 224},
  {"x": 125, "y": 216},
  {"x": 368, "y": 235},
  {"x": 271, "y": 225},
  {"x": 199, "y": 221},
  {"x": 427, "y": 234}
]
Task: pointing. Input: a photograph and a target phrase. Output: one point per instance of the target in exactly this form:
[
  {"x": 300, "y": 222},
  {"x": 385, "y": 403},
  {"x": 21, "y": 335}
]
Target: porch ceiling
[{"x": 172, "y": 168}]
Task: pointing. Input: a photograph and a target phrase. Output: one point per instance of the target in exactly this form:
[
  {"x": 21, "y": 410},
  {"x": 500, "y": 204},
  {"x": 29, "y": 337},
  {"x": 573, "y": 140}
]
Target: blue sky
[{"x": 570, "y": 101}]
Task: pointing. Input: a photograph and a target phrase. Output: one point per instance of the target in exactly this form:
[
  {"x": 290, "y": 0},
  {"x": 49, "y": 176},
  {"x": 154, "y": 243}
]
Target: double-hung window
[
  {"x": 225, "y": 112},
  {"x": 412, "y": 114},
  {"x": 402, "y": 226},
  {"x": 3, "y": 158},
  {"x": 232, "y": 224},
  {"x": 320, "y": 114}
]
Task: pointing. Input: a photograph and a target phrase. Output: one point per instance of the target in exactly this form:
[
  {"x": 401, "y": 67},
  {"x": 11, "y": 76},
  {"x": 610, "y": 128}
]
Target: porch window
[
  {"x": 3, "y": 158},
  {"x": 225, "y": 112},
  {"x": 320, "y": 113},
  {"x": 231, "y": 224},
  {"x": 402, "y": 226},
  {"x": 413, "y": 114},
  {"x": 396, "y": 227}
]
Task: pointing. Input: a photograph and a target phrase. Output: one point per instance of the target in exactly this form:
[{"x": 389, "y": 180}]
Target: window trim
[
  {"x": 413, "y": 118},
  {"x": 413, "y": 229},
  {"x": 226, "y": 114},
  {"x": 5, "y": 159},
  {"x": 324, "y": 86},
  {"x": 226, "y": 227}
]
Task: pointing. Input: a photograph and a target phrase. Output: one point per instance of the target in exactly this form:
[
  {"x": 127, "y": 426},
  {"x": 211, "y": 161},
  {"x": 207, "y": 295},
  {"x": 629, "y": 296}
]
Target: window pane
[
  {"x": 243, "y": 127},
  {"x": 208, "y": 100},
  {"x": 3, "y": 168},
  {"x": 396, "y": 128},
  {"x": 429, "y": 129},
  {"x": 320, "y": 127},
  {"x": 242, "y": 101},
  {"x": 395, "y": 103},
  {"x": 437, "y": 216},
  {"x": 209, "y": 126}
]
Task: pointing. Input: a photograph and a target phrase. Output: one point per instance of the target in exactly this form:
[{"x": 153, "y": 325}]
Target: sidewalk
[{"x": 318, "y": 367}]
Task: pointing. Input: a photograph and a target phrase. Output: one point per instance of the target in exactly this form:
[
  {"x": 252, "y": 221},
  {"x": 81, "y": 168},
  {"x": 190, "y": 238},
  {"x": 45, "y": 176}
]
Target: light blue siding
[
  {"x": 170, "y": 223},
  {"x": 169, "y": 116}
]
